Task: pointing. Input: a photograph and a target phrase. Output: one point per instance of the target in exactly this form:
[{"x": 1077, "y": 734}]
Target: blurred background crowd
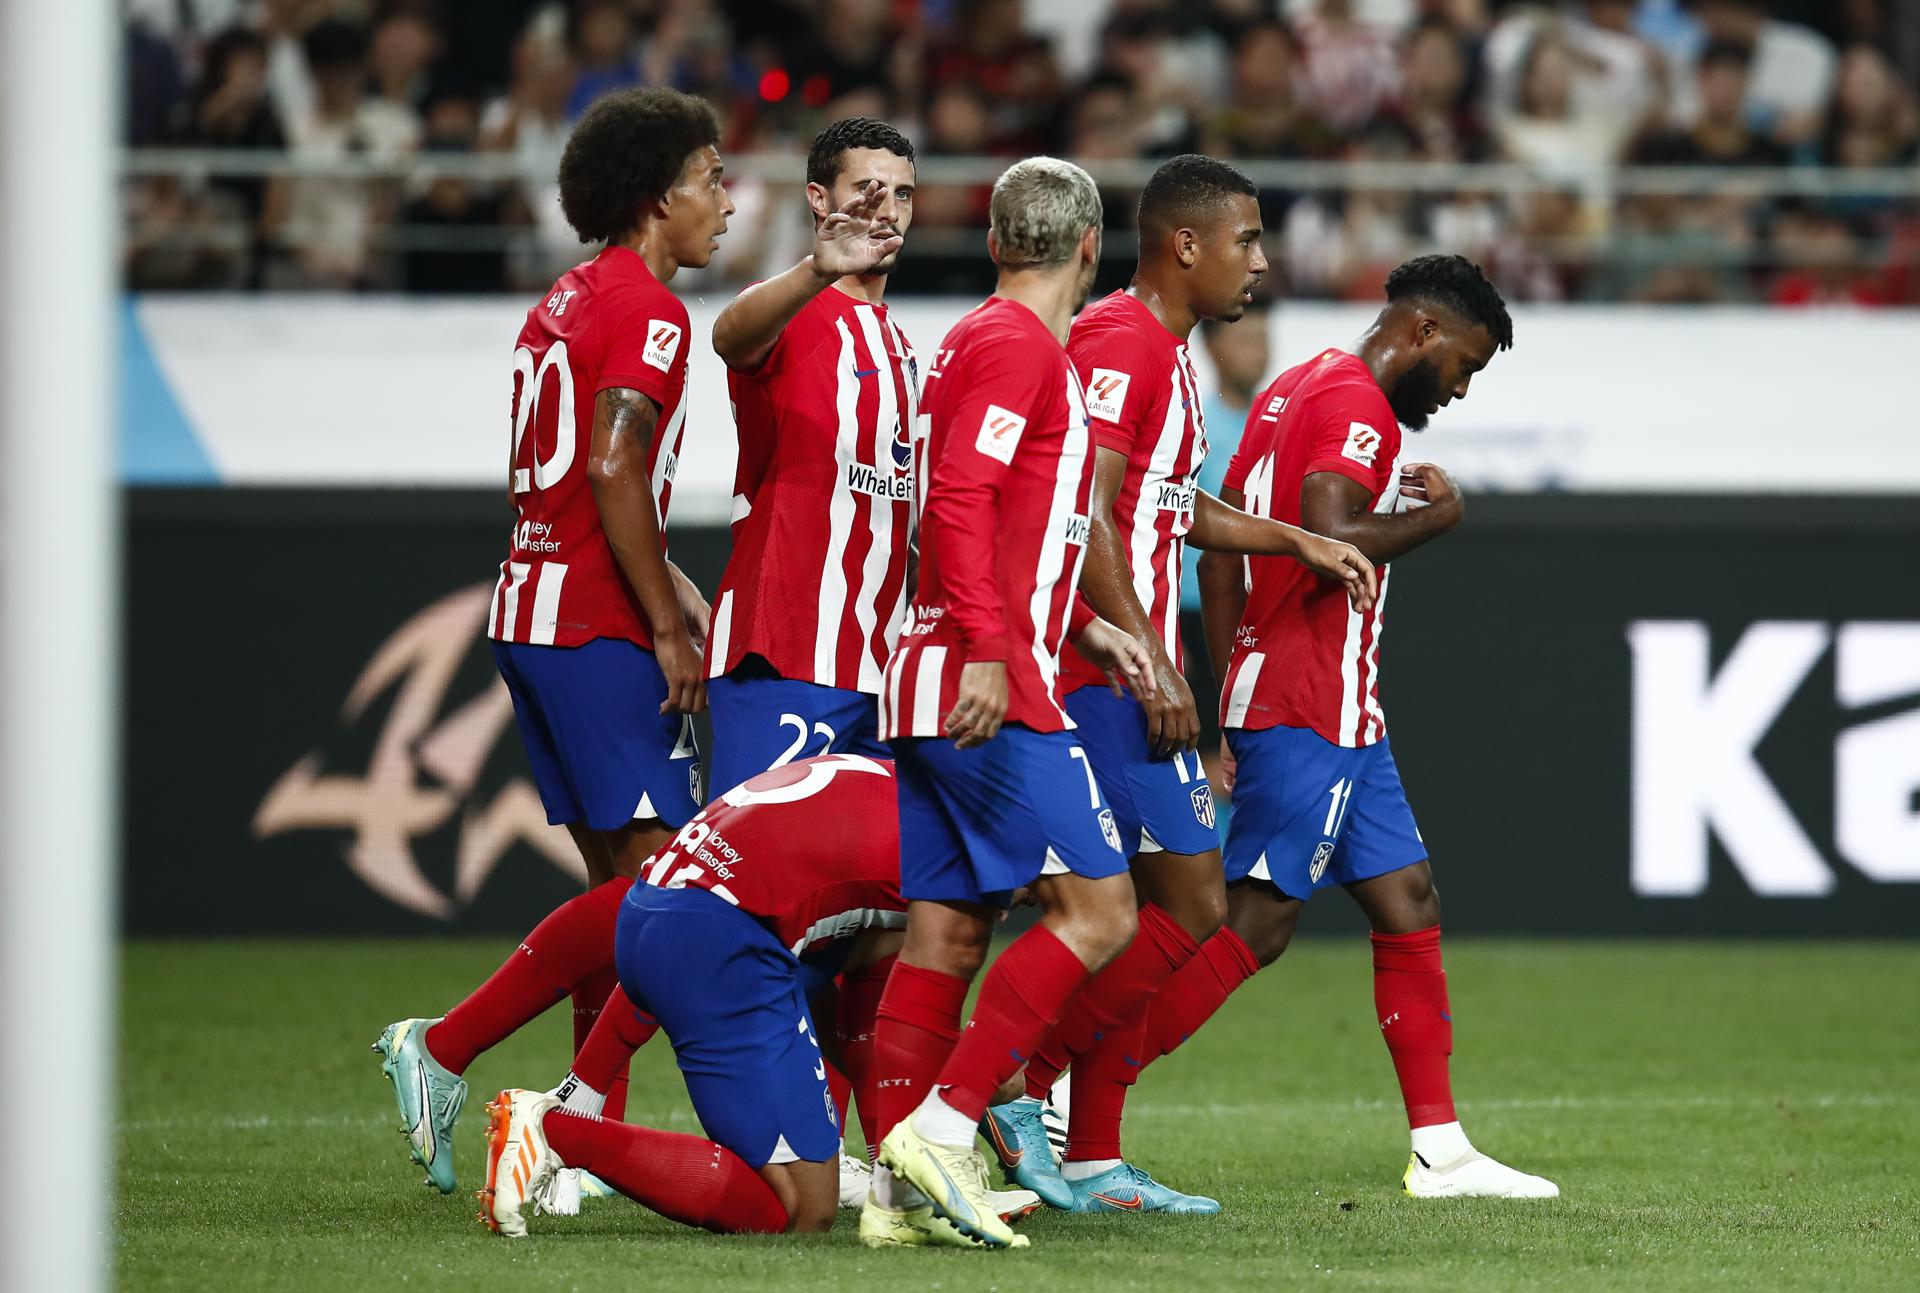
[{"x": 1587, "y": 150}]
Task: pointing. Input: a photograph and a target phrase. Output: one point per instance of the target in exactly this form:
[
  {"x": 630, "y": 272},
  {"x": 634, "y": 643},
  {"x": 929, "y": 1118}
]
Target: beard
[{"x": 1417, "y": 391}]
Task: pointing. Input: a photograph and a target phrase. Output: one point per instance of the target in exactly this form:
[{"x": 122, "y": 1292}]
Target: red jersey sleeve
[
  {"x": 1118, "y": 370},
  {"x": 1002, "y": 390},
  {"x": 1344, "y": 436},
  {"x": 643, "y": 348}
]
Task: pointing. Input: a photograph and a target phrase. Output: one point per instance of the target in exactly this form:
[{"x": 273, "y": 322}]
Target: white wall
[{"x": 406, "y": 392}]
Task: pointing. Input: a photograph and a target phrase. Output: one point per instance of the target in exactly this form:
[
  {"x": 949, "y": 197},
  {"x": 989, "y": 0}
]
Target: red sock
[
  {"x": 681, "y": 1177},
  {"x": 1189, "y": 998},
  {"x": 1019, "y": 1004},
  {"x": 589, "y": 998},
  {"x": 860, "y": 993},
  {"x": 572, "y": 945},
  {"x": 621, "y": 1029},
  {"x": 1102, "y": 1029},
  {"x": 1410, "y": 997},
  {"x": 917, "y": 1025}
]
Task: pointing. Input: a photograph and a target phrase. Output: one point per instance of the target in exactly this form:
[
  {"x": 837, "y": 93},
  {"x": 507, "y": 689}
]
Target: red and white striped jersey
[
  {"x": 1003, "y": 523},
  {"x": 1303, "y": 656},
  {"x": 812, "y": 848},
  {"x": 607, "y": 323},
  {"x": 823, "y": 499},
  {"x": 1143, "y": 401}
]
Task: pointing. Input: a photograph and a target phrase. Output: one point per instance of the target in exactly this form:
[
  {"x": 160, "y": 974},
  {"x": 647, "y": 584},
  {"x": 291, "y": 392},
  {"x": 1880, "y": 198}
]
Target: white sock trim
[
  {"x": 576, "y": 1096},
  {"x": 941, "y": 1123},
  {"x": 1441, "y": 1144},
  {"x": 1087, "y": 1169}
]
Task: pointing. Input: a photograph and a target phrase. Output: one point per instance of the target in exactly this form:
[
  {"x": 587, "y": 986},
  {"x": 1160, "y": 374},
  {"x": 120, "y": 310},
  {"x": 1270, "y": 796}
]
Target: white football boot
[
  {"x": 1473, "y": 1176},
  {"x": 856, "y": 1178},
  {"x": 519, "y": 1160}
]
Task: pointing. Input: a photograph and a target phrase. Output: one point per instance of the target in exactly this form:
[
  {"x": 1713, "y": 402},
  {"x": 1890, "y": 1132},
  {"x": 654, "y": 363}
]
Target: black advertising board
[{"x": 1614, "y": 715}]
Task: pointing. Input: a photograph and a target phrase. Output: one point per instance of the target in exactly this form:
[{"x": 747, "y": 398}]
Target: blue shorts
[
  {"x": 1163, "y": 803},
  {"x": 761, "y": 721},
  {"x": 731, "y": 1000},
  {"x": 977, "y": 824},
  {"x": 602, "y": 752},
  {"x": 1308, "y": 813}
]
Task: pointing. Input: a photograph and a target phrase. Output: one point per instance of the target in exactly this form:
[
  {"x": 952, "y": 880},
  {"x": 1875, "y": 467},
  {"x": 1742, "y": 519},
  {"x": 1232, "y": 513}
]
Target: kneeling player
[
  {"x": 1317, "y": 798},
  {"x": 731, "y": 939}
]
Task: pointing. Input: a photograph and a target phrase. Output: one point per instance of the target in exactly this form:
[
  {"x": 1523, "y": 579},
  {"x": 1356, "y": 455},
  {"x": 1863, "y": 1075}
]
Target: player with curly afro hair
[{"x": 641, "y": 157}]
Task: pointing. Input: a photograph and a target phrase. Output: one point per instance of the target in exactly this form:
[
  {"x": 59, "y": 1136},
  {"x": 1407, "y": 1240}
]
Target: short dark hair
[
  {"x": 1458, "y": 284},
  {"x": 1733, "y": 53},
  {"x": 627, "y": 151},
  {"x": 1185, "y": 189},
  {"x": 831, "y": 146},
  {"x": 334, "y": 43}
]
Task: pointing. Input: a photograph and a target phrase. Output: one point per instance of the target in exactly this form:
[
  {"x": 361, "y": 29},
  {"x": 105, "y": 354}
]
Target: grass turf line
[{"x": 1733, "y": 1116}]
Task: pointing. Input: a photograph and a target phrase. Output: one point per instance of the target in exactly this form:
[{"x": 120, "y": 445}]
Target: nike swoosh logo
[
  {"x": 1009, "y": 1157},
  {"x": 422, "y": 1137},
  {"x": 1125, "y": 1205},
  {"x": 1423, "y": 1162},
  {"x": 865, "y": 372}
]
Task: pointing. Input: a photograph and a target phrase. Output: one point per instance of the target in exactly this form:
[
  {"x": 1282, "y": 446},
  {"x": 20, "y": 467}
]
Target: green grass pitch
[{"x": 1741, "y": 1117}]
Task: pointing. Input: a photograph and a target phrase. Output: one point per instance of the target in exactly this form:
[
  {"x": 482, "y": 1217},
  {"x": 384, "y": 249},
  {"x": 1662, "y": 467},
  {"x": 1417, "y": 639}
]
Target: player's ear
[
  {"x": 1090, "y": 246},
  {"x": 993, "y": 247},
  {"x": 817, "y": 200}
]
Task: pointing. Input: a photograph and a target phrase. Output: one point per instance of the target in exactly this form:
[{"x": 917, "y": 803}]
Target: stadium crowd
[{"x": 1568, "y": 90}]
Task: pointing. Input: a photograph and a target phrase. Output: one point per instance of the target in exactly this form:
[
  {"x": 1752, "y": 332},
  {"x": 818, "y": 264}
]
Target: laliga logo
[
  {"x": 1694, "y": 735},
  {"x": 423, "y": 769}
]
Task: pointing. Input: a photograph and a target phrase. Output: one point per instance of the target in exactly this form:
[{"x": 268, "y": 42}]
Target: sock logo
[{"x": 565, "y": 1090}]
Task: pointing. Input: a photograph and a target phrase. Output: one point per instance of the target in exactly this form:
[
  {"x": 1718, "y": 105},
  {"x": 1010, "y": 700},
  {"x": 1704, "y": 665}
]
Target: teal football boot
[
  {"x": 1128, "y": 1189},
  {"x": 1019, "y": 1139},
  {"x": 428, "y": 1095}
]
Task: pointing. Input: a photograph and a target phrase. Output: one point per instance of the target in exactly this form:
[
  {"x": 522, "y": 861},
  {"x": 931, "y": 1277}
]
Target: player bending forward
[
  {"x": 731, "y": 938},
  {"x": 995, "y": 792},
  {"x": 593, "y": 629},
  {"x": 1200, "y": 258},
  {"x": 1317, "y": 800}
]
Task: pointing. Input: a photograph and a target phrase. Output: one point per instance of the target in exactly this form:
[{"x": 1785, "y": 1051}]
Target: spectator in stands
[
  {"x": 530, "y": 121},
  {"x": 231, "y": 109},
  {"x": 1163, "y": 78},
  {"x": 1818, "y": 256},
  {"x": 989, "y": 48},
  {"x": 1792, "y": 68},
  {"x": 1873, "y": 121},
  {"x": 455, "y": 239},
  {"x": 1263, "y": 116},
  {"x": 1720, "y": 134},
  {"x": 333, "y": 220},
  {"x": 1543, "y": 118},
  {"x": 603, "y": 49},
  {"x": 1434, "y": 106},
  {"x": 404, "y": 45},
  {"x": 1349, "y": 70}
]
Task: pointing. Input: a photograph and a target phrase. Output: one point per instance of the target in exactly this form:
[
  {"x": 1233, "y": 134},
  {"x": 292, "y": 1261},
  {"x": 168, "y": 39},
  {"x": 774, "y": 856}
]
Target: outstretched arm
[{"x": 745, "y": 333}]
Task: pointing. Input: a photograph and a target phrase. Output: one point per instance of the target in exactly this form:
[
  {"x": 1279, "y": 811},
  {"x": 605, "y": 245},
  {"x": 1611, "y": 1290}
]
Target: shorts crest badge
[
  {"x": 1202, "y": 796},
  {"x": 1322, "y": 854}
]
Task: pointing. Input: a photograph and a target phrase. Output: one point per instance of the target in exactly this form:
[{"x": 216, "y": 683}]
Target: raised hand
[{"x": 850, "y": 241}]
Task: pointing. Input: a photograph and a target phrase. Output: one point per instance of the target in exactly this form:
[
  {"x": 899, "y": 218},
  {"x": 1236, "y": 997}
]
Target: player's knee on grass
[
  {"x": 1400, "y": 902},
  {"x": 1190, "y": 888},
  {"x": 1095, "y": 918},
  {"x": 1263, "y": 918},
  {"x": 810, "y": 1192}
]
